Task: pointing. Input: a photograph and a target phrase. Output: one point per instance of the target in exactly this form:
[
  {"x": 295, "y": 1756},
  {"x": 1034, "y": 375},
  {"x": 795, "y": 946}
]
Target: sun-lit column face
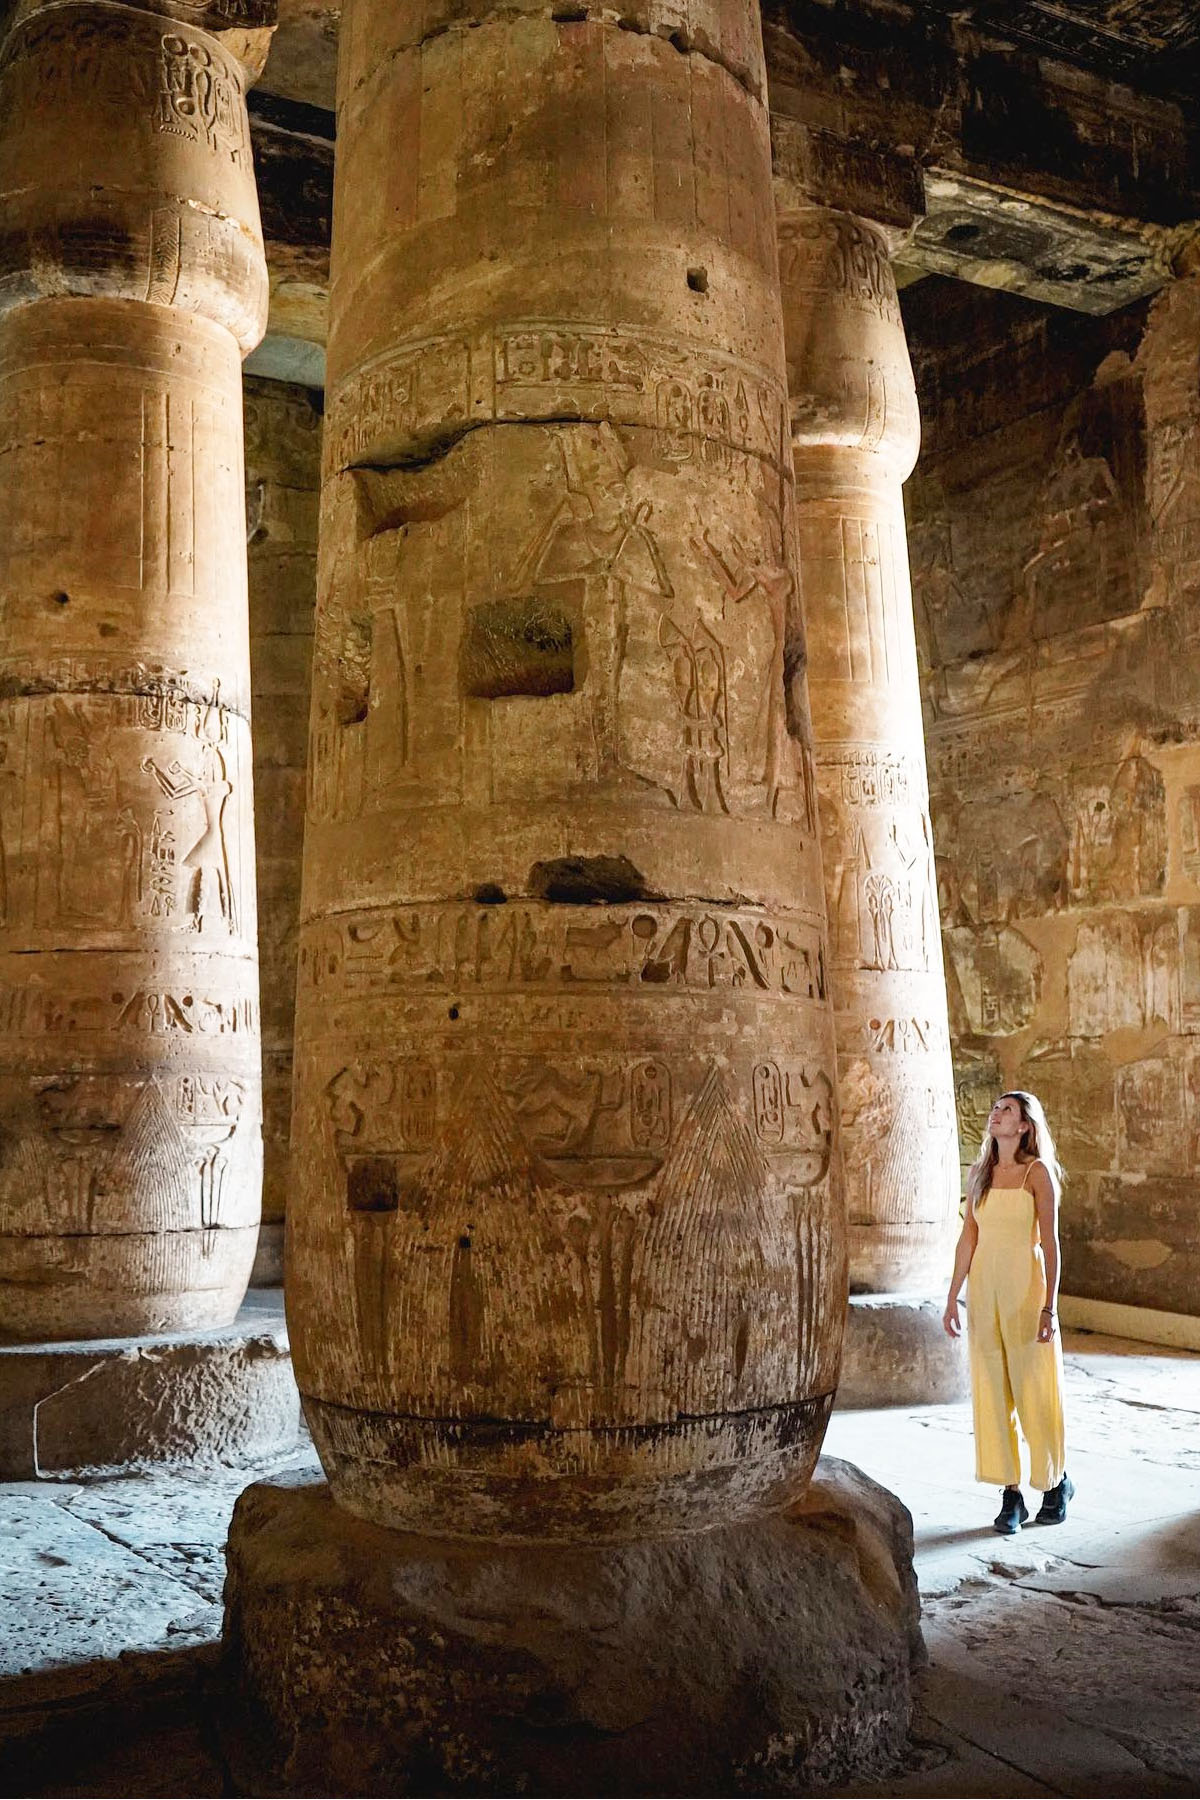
[
  {"x": 131, "y": 276},
  {"x": 566, "y": 1247},
  {"x": 855, "y": 432}
]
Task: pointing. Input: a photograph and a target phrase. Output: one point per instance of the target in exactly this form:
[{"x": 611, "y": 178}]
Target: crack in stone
[{"x": 133, "y": 1549}]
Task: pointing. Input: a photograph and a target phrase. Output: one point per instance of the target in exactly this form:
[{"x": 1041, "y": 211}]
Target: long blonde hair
[{"x": 1037, "y": 1141}]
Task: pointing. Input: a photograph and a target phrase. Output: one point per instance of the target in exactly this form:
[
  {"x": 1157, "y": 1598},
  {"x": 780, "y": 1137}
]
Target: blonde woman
[{"x": 1009, "y": 1247}]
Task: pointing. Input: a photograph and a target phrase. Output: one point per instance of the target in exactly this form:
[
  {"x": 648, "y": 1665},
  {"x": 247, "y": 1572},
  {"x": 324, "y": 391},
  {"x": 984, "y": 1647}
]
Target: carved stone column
[
  {"x": 855, "y": 432},
  {"x": 566, "y": 1252},
  {"x": 131, "y": 280}
]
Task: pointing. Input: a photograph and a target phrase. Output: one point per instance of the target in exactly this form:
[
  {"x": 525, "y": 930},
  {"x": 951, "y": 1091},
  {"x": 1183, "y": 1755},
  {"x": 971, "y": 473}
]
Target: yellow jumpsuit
[{"x": 1012, "y": 1375}]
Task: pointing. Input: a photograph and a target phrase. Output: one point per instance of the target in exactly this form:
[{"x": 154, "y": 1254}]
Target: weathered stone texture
[
  {"x": 759, "y": 1659},
  {"x": 105, "y": 1406},
  {"x": 568, "y": 1254},
  {"x": 131, "y": 277},
  {"x": 283, "y": 449},
  {"x": 896, "y": 1353},
  {"x": 1055, "y": 525}
]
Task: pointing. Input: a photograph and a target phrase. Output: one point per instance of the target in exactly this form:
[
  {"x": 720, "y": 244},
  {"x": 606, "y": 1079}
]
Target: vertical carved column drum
[
  {"x": 566, "y": 1257},
  {"x": 131, "y": 278},
  {"x": 855, "y": 434}
]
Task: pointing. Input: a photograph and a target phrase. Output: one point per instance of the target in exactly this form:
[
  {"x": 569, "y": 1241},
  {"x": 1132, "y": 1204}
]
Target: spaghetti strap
[{"x": 1029, "y": 1171}]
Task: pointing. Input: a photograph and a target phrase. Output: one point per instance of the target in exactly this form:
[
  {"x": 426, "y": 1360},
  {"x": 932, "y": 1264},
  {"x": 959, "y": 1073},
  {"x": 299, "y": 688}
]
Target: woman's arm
[
  {"x": 1045, "y": 1201},
  {"x": 964, "y": 1250}
]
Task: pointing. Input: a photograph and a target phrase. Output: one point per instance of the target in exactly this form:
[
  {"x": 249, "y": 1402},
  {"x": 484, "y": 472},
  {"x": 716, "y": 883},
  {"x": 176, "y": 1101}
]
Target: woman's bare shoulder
[{"x": 1041, "y": 1181}]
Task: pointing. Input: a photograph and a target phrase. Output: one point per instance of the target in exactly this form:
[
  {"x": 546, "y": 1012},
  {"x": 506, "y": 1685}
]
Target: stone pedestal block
[
  {"x": 224, "y": 1395},
  {"x": 761, "y": 1659},
  {"x": 895, "y": 1353}
]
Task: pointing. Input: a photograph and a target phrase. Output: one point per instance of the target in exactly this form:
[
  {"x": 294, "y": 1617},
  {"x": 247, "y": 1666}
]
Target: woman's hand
[
  {"x": 951, "y": 1323},
  {"x": 1047, "y": 1325}
]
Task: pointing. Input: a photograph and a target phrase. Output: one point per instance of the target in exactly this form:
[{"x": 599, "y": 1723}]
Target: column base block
[
  {"x": 896, "y": 1354},
  {"x": 759, "y": 1659},
  {"x": 94, "y": 1407}
]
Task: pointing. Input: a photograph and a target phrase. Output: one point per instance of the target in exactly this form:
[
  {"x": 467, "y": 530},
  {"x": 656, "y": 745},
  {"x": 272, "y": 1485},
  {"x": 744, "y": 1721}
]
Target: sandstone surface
[
  {"x": 566, "y": 1248},
  {"x": 1055, "y": 525},
  {"x": 855, "y": 432},
  {"x": 758, "y": 1659},
  {"x": 131, "y": 280}
]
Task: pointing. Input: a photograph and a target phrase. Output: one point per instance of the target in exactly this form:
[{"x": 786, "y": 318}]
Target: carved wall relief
[{"x": 1064, "y": 760}]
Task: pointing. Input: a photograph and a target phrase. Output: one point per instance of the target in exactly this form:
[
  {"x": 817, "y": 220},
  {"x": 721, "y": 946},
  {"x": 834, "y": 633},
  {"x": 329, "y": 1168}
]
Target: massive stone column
[
  {"x": 566, "y": 1252},
  {"x": 566, "y": 1259},
  {"x": 855, "y": 432},
  {"x": 131, "y": 279}
]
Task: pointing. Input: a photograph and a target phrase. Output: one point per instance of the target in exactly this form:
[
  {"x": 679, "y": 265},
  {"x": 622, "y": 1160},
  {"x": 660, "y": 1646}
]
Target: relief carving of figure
[
  {"x": 600, "y": 536},
  {"x": 210, "y": 888},
  {"x": 10, "y": 790},
  {"x": 774, "y": 585},
  {"x": 1080, "y": 571}
]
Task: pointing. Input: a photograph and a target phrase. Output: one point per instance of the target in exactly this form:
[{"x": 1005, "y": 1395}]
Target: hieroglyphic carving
[
  {"x": 855, "y": 432},
  {"x": 114, "y": 62},
  {"x": 787, "y": 760},
  {"x": 128, "y": 952},
  {"x": 428, "y": 1240},
  {"x": 822, "y": 251},
  {"x": 591, "y": 1275},
  {"x": 78, "y": 1148},
  {"x": 996, "y": 976},
  {"x": 879, "y": 877},
  {"x": 1124, "y": 972},
  {"x": 210, "y": 887},
  {"x": 697, "y": 406},
  {"x": 201, "y": 96},
  {"x": 113, "y": 856},
  {"x": 1119, "y": 839},
  {"x": 452, "y": 948},
  {"x": 1082, "y": 568},
  {"x": 145, "y": 1012},
  {"x": 697, "y": 662},
  {"x": 794, "y": 1107}
]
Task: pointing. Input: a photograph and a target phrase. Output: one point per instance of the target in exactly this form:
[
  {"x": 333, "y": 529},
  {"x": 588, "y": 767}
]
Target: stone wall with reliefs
[
  {"x": 1054, "y": 522},
  {"x": 283, "y": 478}
]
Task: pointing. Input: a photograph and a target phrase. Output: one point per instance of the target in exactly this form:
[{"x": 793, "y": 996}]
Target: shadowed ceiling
[{"x": 1148, "y": 43}]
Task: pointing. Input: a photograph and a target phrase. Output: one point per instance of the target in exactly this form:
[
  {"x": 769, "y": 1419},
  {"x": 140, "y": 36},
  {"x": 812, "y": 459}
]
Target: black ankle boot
[
  {"x": 1053, "y": 1509},
  {"x": 1013, "y": 1512}
]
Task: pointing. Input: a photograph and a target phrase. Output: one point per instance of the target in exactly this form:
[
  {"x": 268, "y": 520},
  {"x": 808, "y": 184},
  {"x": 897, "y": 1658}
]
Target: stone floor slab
[
  {"x": 1064, "y": 1656},
  {"x": 1083, "y": 1633}
]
